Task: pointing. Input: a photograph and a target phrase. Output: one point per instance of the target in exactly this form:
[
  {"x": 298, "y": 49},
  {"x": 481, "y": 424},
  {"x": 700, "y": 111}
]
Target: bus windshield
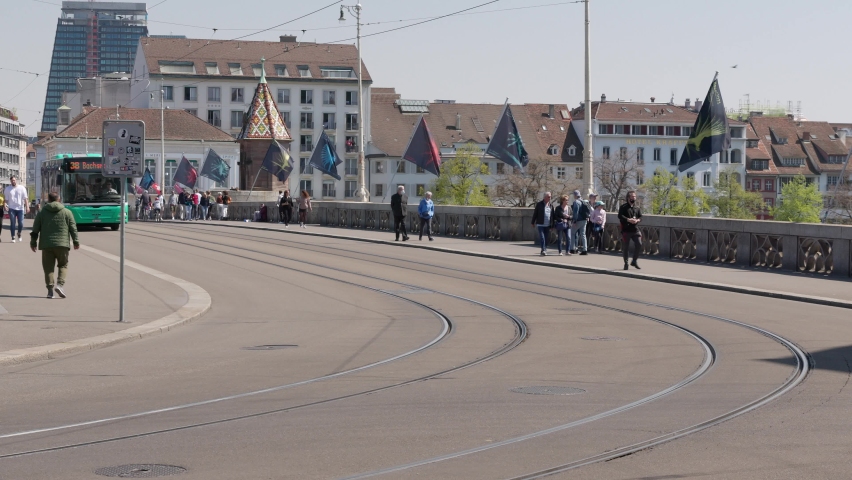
[{"x": 91, "y": 187}]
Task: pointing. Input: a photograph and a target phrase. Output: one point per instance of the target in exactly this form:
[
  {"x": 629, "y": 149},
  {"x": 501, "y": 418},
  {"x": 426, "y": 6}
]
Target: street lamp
[{"x": 362, "y": 194}]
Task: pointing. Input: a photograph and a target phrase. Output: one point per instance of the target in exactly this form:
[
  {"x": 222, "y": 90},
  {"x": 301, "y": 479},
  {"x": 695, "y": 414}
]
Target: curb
[
  {"x": 198, "y": 303},
  {"x": 831, "y": 302}
]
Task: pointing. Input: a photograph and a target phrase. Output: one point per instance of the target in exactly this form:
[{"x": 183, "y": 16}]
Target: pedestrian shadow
[{"x": 837, "y": 359}]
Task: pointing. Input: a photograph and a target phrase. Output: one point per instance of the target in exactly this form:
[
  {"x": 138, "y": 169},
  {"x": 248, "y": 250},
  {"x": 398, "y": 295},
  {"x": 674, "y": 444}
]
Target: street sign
[{"x": 124, "y": 148}]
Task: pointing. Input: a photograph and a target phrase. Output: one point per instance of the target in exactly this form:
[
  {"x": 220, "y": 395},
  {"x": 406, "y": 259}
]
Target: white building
[
  {"x": 315, "y": 88},
  {"x": 13, "y": 148},
  {"x": 105, "y": 91}
]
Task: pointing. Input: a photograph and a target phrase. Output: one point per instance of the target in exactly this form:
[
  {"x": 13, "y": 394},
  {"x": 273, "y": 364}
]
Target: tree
[
  {"x": 616, "y": 175},
  {"x": 731, "y": 200},
  {"x": 673, "y": 196},
  {"x": 840, "y": 210},
  {"x": 460, "y": 182},
  {"x": 801, "y": 202},
  {"x": 523, "y": 189}
]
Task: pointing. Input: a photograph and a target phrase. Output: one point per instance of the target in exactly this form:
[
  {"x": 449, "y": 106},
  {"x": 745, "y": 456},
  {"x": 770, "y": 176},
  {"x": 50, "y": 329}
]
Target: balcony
[
  {"x": 330, "y": 126},
  {"x": 305, "y": 125},
  {"x": 306, "y": 148},
  {"x": 351, "y": 126}
]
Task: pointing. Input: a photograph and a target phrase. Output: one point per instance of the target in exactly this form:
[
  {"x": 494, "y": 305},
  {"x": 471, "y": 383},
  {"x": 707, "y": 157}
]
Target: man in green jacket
[{"x": 55, "y": 223}]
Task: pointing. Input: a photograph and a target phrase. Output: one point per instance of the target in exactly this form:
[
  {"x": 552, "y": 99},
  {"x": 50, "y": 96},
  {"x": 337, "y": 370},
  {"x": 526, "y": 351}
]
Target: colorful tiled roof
[{"x": 264, "y": 121}]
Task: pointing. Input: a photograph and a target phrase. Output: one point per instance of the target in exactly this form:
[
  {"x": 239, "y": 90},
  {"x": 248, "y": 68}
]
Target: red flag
[
  {"x": 186, "y": 173},
  {"x": 177, "y": 189},
  {"x": 139, "y": 190},
  {"x": 422, "y": 150},
  {"x": 156, "y": 188}
]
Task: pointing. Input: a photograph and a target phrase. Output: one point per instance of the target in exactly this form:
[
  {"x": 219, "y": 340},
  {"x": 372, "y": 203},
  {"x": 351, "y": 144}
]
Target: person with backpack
[
  {"x": 285, "y": 209},
  {"x": 52, "y": 228},
  {"x": 580, "y": 212}
]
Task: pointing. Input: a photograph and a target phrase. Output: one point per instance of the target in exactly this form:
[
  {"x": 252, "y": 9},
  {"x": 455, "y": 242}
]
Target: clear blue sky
[{"x": 785, "y": 50}]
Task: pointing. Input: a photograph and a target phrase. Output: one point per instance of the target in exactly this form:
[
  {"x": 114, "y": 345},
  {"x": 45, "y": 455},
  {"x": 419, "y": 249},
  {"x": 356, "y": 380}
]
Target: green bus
[{"x": 92, "y": 198}]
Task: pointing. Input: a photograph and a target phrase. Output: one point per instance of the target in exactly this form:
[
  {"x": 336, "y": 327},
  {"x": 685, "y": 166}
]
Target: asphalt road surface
[{"x": 326, "y": 358}]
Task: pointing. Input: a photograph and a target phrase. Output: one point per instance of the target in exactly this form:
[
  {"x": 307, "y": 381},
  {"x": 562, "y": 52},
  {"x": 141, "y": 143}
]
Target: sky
[{"x": 784, "y": 50}]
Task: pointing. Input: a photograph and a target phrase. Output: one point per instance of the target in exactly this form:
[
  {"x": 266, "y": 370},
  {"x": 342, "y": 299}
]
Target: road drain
[
  {"x": 270, "y": 347},
  {"x": 548, "y": 390},
  {"x": 147, "y": 470},
  {"x": 605, "y": 339}
]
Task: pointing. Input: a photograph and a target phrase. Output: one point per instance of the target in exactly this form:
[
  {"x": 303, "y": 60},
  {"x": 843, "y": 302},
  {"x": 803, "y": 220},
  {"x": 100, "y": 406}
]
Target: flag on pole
[
  {"x": 186, "y": 174},
  {"x": 177, "y": 189},
  {"x": 147, "y": 179},
  {"x": 506, "y": 143},
  {"x": 278, "y": 161},
  {"x": 215, "y": 168},
  {"x": 325, "y": 158},
  {"x": 710, "y": 134},
  {"x": 422, "y": 149},
  {"x": 156, "y": 188},
  {"x": 139, "y": 190}
]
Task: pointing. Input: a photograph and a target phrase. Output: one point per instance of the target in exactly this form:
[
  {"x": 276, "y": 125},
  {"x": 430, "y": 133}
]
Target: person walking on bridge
[
  {"x": 426, "y": 210},
  {"x": 304, "y": 208},
  {"x": 542, "y": 220},
  {"x": 52, "y": 228},
  {"x": 630, "y": 215},
  {"x": 18, "y": 205},
  {"x": 399, "y": 208}
]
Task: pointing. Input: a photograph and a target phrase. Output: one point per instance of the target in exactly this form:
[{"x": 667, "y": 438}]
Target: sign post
[{"x": 123, "y": 157}]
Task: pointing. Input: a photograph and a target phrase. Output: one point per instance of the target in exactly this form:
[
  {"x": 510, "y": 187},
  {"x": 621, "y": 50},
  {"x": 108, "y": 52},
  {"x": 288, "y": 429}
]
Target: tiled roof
[
  {"x": 179, "y": 125},
  {"x": 248, "y": 53},
  {"x": 638, "y": 112},
  {"x": 769, "y": 129},
  {"x": 263, "y": 120}
]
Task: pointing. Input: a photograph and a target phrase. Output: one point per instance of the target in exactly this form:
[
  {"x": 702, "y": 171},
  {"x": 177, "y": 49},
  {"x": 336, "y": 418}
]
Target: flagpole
[
  {"x": 588, "y": 151},
  {"x": 253, "y": 183},
  {"x": 502, "y": 113}
]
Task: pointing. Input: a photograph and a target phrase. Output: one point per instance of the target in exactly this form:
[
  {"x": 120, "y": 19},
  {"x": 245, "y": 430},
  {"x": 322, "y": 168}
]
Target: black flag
[
  {"x": 278, "y": 161},
  {"x": 186, "y": 174},
  {"x": 215, "y": 168},
  {"x": 422, "y": 150},
  {"x": 710, "y": 134},
  {"x": 506, "y": 143}
]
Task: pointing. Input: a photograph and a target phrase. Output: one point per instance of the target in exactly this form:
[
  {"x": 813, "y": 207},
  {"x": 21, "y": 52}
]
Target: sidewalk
[{"x": 793, "y": 286}]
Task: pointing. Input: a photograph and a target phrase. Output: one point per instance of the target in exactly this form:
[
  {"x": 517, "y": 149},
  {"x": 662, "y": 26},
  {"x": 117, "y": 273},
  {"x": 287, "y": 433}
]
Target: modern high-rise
[{"x": 92, "y": 38}]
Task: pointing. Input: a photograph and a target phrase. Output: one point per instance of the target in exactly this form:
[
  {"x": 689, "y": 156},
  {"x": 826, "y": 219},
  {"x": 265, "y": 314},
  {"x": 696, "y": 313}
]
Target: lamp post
[
  {"x": 588, "y": 151},
  {"x": 362, "y": 194}
]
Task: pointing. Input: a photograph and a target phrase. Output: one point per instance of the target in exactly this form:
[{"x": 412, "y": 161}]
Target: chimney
[
  {"x": 458, "y": 121},
  {"x": 698, "y": 104},
  {"x": 653, "y": 99},
  {"x": 806, "y": 136},
  {"x": 841, "y": 134},
  {"x": 687, "y": 104},
  {"x": 551, "y": 111},
  {"x": 603, "y": 98},
  {"x": 287, "y": 38}
]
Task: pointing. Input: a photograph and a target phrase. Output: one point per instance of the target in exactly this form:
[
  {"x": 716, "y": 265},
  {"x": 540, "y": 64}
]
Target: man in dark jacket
[
  {"x": 630, "y": 215},
  {"x": 580, "y": 213},
  {"x": 55, "y": 224},
  {"x": 542, "y": 219},
  {"x": 399, "y": 207}
]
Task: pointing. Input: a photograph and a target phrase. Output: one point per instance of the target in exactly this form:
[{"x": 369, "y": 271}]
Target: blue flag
[
  {"x": 215, "y": 168},
  {"x": 506, "y": 143},
  {"x": 325, "y": 158},
  {"x": 710, "y": 134},
  {"x": 147, "y": 179},
  {"x": 422, "y": 150},
  {"x": 278, "y": 161}
]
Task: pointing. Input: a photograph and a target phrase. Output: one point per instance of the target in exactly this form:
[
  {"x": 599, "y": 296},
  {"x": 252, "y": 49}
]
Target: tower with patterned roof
[{"x": 263, "y": 124}]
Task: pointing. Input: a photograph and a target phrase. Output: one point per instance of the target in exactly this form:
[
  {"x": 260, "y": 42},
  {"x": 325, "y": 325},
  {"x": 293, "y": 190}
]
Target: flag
[
  {"x": 139, "y": 190},
  {"x": 278, "y": 161},
  {"x": 186, "y": 174},
  {"x": 215, "y": 168},
  {"x": 506, "y": 143},
  {"x": 710, "y": 134},
  {"x": 156, "y": 188},
  {"x": 177, "y": 189},
  {"x": 325, "y": 158},
  {"x": 147, "y": 179},
  {"x": 422, "y": 150}
]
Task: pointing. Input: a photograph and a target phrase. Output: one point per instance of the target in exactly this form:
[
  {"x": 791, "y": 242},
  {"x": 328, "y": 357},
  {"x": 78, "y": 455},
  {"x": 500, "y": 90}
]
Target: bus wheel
[{"x": 113, "y": 227}]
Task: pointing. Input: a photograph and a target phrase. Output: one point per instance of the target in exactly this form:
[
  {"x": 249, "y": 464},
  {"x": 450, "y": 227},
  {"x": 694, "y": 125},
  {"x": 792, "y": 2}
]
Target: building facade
[
  {"x": 315, "y": 88},
  {"x": 13, "y": 148},
  {"x": 107, "y": 91},
  {"x": 92, "y": 39}
]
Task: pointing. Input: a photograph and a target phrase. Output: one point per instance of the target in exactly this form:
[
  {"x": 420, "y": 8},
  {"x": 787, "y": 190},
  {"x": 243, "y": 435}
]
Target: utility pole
[
  {"x": 161, "y": 165},
  {"x": 588, "y": 151},
  {"x": 362, "y": 194}
]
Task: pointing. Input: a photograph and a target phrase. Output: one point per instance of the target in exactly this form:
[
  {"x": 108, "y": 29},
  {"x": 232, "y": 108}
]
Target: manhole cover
[
  {"x": 270, "y": 347},
  {"x": 147, "y": 470},
  {"x": 549, "y": 390},
  {"x": 605, "y": 339}
]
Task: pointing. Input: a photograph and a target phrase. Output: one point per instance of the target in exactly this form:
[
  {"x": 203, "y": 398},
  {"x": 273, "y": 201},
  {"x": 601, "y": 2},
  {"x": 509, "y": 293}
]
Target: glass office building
[{"x": 92, "y": 38}]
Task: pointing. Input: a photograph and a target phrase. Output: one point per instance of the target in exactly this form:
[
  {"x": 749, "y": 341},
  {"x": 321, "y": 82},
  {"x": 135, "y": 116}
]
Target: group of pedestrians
[
  {"x": 425, "y": 212},
  {"x": 286, "y": 203},
  {"x": 195, "y": 205},
  {"x": 580, "y": 224}
]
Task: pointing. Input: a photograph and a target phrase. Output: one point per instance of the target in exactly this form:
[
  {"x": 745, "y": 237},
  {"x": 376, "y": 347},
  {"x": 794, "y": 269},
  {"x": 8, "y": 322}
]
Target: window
[
  {"x": 305, "y": 72},
  {"x": 379, "y": 189},
  {"x": 351, "y": 144},
  {"x": 673, "y": 131},
  {"x": 501, "y": 168},
  {"x": 214, "y": 94},
  {"x": 190, "y": 94},
  {"x": 755, "y": 185},
  {"x": 640, "y": 156},
  {"x": 349, "y": 188},
  {"x": 305, "y": 166},
  {"x": 329, "y": 97},
  {"x": 655, "y": 130},
  {"x": 235, "y": 69},
  {"x": 606, "y": 129},
  {"x": 306, "y": 143},
  {"x": 400, "y": 166},
  {"x": 168, "y": 93},
  {"x": 351, "y": 166},
  {"x": 637, "y": 130},
  {"x": 605, "y": 152},
  {"x": 237, "y": 118},
  {"x": 212, "y": 68},
  {"x": 673, "y": 157},
  {"x": 689, "y": 175},
  {"x": 256, "y": 70},
  {"x": 237, "y": 95},
  {"x": 380, "y": 167},
  {"x": 281, "y": 71},
  {"x": 307, "y": 97},
  {"x": 420, "y": 189},
  {"x": 337, "y": 72},
  {"x": 572, "y": 151},
  {"x": 723, "y": 156},
  {"x": 284, "y": 95},
  {"x": 736, "y": 156},
  {"x": 706, "y": 179},
  {"x": 685, "y": 131},
  {"x": 214, "y": 117},
  {"x": 560, "y": 173},
  {"x": 306, "y": 121},
  {"x": 792, "y": 162},
  {"x": 622, "y": 153},
  {"x": 193, "y": 111},
  {"x": 351, "y": 97},
  {"x": 351, "y": 121},
  {"x": 328, "y": 121},
  {"x": 640, "y": 179},
  {"x": 178, "y": 67},
  {"x": 770, "y": 202},
  {"x": 328, "y": 189},
  {"x": 419, "y": 169},
  {"x": 832, "y": 180},
  {"x": 285, "y": 116},
  {"x": 307, "y": 186},
  {"x": 578, "y": 173}
]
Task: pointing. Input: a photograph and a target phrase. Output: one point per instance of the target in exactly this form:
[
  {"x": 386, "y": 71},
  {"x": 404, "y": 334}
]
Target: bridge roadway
[{"x": 402, "y": 363}]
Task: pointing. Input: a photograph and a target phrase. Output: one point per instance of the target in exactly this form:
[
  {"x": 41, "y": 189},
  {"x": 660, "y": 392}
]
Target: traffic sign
[{"x": 124, "y": 148}]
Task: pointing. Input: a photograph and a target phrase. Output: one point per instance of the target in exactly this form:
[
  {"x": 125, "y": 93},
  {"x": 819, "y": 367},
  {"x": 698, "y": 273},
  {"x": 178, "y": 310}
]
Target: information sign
[{"x": 124, "y": 148}]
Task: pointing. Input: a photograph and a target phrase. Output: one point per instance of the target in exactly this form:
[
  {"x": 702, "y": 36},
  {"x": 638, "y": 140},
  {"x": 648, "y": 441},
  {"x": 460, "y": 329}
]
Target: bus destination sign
[
  {"x": 75, "y": 166},
  {"x": 124, "y": 148}
]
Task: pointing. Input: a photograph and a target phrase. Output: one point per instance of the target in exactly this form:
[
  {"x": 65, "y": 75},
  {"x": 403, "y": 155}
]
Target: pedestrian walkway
[{"x": 806, "y": 287}]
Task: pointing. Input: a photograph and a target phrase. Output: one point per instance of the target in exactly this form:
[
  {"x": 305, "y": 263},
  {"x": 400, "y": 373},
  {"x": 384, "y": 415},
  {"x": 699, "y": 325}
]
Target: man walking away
[
  {"x": 426, "y": 210},
  {"x": 580, "y": 212},
  {"x": 399, "y": 207},
  {"x": 543, "y": 220},
  {"x": 54, "y": 224},
  {"x": 630, "y": 215},
  {"x": 17, "y": 202}
]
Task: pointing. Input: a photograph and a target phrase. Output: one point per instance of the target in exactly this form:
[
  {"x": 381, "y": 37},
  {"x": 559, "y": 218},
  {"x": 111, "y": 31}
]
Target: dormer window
[
  {"x": 212, "y": 68},
  {"x": 304, "y": 71},
  {"x": 256, "y": 70},
  {"x": 792, "y": 162},
  {"x": 177, "y": 67},
  {"x": 235, "y": 69},
  {"x": 572, "y": 151},
  {"x": 337, "y": 72},
  {"x": 553, "y": 150},
  {"x": 281, "y": 71}
]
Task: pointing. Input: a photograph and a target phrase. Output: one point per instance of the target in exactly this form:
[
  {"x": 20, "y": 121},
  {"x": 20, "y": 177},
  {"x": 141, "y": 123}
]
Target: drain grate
[
  {"x": 147, "y": 470},
  {"x": 270, "y": 347},
  {"x": 605, "y": 339},
  {"x": 548, "y": 390}
]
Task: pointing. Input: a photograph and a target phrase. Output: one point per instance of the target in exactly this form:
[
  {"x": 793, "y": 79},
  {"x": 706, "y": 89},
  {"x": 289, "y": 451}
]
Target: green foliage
[
  {"x": 461, "y": 182},
  {"x": 673, "y": 196},
  {"x": 731, "y": 200},
  {"x": 800, "y": 202}
]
